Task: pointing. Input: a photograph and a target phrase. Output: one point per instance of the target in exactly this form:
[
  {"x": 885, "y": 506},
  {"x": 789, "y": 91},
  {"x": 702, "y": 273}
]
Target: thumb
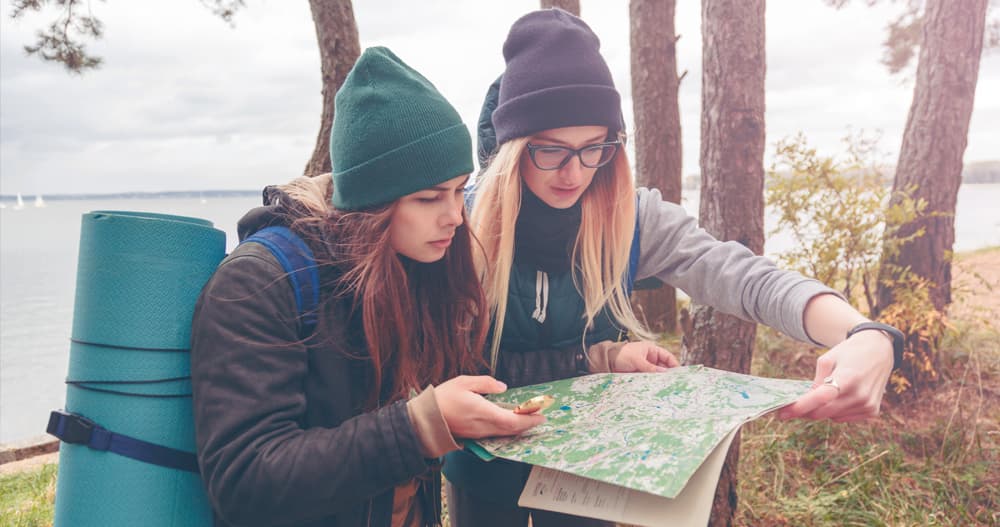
[
  {"x": 482, "y": 384},
  {"x": 824, "y": 367}
]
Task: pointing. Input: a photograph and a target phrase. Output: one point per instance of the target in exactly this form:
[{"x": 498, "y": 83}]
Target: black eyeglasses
[{"x": 552, "y": 157}]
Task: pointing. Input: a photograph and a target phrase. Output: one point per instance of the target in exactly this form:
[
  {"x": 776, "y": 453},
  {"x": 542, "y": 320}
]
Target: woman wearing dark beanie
[
  {"x": 560, "y": 219},
  {"x": 323, "y": 426}
]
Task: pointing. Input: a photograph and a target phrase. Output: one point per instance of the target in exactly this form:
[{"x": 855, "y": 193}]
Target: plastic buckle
[{"x": 70, "y": 428}]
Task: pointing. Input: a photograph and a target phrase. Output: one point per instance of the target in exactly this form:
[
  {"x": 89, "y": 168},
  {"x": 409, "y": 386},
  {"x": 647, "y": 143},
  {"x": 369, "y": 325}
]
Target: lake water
[{"x": 38, "y": 253}]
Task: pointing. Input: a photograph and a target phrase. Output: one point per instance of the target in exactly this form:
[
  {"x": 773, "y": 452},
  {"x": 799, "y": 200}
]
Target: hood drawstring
[{"x": 541, "y": 296}]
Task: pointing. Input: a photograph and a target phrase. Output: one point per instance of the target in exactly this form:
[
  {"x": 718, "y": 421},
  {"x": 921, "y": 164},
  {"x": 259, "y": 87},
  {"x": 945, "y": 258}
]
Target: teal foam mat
[{"x": 138, "y": 277}]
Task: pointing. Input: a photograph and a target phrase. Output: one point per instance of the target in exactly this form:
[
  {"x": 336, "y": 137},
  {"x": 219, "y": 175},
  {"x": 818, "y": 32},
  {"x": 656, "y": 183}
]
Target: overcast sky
[{"x": 183, "y": 101}]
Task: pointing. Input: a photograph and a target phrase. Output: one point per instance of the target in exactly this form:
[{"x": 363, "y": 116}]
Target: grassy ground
[
  {"x": 26, "y": 499},
  {"x": 933, "y": 459}
]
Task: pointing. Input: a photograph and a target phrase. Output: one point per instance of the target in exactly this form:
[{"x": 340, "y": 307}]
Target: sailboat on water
[
  {"x": 39, "y": 202},
  {"x": 20, "y": 202}
]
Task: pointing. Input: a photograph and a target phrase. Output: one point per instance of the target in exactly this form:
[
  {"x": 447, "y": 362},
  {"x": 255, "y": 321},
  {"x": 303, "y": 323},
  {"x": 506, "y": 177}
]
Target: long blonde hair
[{"x": 600, "y": 252}]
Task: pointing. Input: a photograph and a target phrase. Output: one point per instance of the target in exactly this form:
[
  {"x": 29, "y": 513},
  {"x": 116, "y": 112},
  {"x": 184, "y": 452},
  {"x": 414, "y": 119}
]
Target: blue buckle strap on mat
[
  {"x": 297, "y": 260},
  {"x": 78, "y": 430}
]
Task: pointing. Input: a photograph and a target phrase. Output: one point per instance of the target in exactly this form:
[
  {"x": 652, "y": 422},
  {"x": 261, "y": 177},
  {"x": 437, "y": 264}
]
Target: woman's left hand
[
  {"x": 643, "y": 356},
  {"x": 850, "y": 380}
]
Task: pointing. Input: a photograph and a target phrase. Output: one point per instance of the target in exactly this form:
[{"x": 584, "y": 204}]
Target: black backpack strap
[{"x": 297, "y": 260}]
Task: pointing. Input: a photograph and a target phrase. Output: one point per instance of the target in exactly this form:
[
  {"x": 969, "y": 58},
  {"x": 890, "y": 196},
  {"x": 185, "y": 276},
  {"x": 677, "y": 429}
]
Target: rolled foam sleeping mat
[{"x": 138, "y": 278}]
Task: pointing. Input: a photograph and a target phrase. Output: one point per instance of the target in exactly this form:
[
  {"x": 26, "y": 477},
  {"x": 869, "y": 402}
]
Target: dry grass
[{"x": 932, "y": 458}]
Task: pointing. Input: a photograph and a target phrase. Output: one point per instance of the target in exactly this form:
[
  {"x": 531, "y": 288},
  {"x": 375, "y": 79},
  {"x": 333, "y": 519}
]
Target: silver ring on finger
[{"x": 830, "y": 381}]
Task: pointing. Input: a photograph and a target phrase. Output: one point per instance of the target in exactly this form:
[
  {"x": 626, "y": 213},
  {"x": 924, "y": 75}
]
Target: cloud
[{"x": 184, "y": 101}]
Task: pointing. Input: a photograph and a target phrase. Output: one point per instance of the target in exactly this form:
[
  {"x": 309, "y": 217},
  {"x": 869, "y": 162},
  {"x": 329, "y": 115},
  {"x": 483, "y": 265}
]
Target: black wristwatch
[{"x": 898, "y": 339}]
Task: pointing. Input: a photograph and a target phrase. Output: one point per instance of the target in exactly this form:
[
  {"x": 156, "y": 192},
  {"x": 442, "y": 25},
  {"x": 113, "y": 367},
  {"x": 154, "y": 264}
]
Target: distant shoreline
[
  {"x": 5, "y": 198},
  {"x": 139, "y": 195}
]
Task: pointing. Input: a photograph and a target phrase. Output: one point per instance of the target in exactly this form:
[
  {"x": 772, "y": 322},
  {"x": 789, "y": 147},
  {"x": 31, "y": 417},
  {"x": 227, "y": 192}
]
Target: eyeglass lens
[{"x": 593, "y": 156}]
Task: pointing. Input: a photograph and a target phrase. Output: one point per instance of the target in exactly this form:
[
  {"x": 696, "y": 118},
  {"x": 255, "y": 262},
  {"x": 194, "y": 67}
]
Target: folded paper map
[{"x": 648, "y": 432}]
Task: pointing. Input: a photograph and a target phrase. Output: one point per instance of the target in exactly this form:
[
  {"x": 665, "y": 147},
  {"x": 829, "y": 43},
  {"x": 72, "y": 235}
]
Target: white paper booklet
[{"x": 557, "y": 491}]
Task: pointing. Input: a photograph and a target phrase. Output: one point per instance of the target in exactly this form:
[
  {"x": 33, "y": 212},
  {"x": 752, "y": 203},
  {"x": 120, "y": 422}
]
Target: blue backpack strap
[
  {"x": 469, "y": 195},
  {"x": 633, "y": 254},
  {"x": 78, "y": 430},
  {"x": 298, "y": 262},
  {"x": 648, "y": 283}
]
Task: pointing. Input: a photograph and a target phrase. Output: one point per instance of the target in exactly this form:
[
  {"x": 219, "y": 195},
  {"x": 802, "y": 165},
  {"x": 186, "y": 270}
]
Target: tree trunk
[
  {"x": 657, "y": 130},
  {"x": 732, "y": 186},
  {"x": 573, "y": 6},
  {"x": 937, "y": 131},
  {"x": 339, "y": 48}
]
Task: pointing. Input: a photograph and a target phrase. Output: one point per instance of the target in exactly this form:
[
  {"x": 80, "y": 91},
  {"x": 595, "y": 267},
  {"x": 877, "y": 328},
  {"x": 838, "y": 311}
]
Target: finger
[
  {"x": 666, "y": 359},
  {"x": 481, "y": 384},
  {"x": 824, "y": 368},
  {"x": 526, "y": 422},
  {"x": 815, "y": 398},
  {"x": 845, "y": 406},
  {"x": 643, "y": 365},
  {"x": 509, "y": 423},
  {"x": 674, "y": 362},
  {"x": 659, "y": 356},
  {"x": 830, "y": 410}
]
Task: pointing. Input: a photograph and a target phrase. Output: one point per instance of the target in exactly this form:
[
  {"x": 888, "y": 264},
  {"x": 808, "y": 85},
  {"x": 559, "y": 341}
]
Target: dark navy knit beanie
[{"x": 555, "y": 77}]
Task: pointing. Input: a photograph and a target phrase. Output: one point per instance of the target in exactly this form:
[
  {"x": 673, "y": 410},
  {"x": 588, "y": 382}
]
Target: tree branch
[{"x": 224, "y": 9}]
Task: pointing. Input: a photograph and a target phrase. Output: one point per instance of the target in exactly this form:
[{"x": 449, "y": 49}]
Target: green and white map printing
[{"x": 644, "y": 431}]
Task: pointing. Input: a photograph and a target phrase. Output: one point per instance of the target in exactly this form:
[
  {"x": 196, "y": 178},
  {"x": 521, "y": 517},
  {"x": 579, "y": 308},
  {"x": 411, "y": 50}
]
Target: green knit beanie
[{"x": 393, "y": 134}]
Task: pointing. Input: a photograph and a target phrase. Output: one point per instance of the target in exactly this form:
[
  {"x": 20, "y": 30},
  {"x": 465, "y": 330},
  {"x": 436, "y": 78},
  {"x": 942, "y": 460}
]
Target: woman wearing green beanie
[{"x": 344, "y": 424}]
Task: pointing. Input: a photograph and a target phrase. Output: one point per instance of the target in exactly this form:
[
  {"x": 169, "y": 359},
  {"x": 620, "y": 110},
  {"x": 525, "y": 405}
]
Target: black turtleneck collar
[{"x": 544, "y": 235}]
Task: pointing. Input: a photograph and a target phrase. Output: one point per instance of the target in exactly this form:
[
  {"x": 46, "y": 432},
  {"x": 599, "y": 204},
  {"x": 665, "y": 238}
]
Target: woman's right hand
[
  {"x": 643, "y": 356},
  {"x": 469, "y": 415}
]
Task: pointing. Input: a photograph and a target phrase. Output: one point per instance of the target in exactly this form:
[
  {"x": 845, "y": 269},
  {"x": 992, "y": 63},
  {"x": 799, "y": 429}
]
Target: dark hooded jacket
[{"x": 283, "y": 434}]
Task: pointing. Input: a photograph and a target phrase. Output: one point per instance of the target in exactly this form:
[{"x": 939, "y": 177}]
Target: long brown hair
[{"x": 423, "y": 322}]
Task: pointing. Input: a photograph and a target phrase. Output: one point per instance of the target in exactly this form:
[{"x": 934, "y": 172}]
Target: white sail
[
  {"x": 20, "y": 202},
  {"x": 39, "y": 202}
]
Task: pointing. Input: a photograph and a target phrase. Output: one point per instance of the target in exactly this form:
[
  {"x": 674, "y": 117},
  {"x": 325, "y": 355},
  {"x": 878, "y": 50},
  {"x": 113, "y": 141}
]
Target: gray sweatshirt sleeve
[{"x": 724, "y": 275}]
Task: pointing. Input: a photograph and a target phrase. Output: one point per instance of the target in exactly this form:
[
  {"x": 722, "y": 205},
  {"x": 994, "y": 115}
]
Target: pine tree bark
[
  {"x": 934, "y": 141},
  {"x": 657, "y": 130},
  {"x": 732, "y": 187},
  {"x": 339, "y": 48},
  {"x": 573, "y": 6}
]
